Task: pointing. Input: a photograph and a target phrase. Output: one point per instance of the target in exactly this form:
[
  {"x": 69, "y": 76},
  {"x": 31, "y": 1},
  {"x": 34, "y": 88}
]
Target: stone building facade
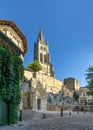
[
  {"x": 13, "y": 40},
  {"x": 84, "y": 98},
  {"x": 43, "y": 90},
  {"x": 72, "y": 84}
]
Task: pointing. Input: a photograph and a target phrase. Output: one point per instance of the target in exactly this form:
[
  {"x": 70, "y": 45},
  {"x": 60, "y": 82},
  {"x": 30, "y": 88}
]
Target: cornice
[
  {"x": 17, "y": 30},
  {"x": 8, "y": 44}
]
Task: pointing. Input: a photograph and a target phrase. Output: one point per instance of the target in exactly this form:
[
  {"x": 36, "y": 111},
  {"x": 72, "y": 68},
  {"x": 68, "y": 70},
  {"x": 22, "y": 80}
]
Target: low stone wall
[
  {"x": 86, "y": 108},
  {"x": 30, "y": 114},
  {"x": 71, "y": 108},
  {"x": 58, "y": 108}
]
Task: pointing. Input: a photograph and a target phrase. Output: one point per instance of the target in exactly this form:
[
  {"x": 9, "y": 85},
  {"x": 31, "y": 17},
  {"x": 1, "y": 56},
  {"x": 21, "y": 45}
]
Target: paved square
[{"x": 53, "y": 121}]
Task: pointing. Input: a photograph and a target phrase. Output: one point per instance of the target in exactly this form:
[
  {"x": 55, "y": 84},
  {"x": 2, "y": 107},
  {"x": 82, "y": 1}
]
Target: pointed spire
[
  {"x": 46, "y": 42},
  {"x": 40, "y": 36}
]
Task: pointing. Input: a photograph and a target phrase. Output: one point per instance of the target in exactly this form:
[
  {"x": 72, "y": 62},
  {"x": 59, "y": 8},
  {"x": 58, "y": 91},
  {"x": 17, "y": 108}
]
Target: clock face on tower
[{"x": 11, "y": 34}]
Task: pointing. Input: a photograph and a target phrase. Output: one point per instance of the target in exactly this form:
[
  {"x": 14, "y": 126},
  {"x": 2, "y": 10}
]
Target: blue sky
[{"x": 66, "y": 24}]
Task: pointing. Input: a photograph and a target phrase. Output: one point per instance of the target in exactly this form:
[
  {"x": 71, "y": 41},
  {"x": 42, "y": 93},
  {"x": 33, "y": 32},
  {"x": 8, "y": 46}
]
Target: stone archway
[{"x": 40, "y": 98}]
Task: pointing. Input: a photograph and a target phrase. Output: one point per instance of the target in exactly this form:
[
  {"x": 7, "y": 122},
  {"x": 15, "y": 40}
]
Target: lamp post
[{"x": 62, "y": 102}]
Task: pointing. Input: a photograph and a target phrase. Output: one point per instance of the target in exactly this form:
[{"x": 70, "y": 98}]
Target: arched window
[{"x": 45, "y": 59}]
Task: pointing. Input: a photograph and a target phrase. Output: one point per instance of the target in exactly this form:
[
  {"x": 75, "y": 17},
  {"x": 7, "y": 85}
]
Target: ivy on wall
[{"x": 11, "y": 73}]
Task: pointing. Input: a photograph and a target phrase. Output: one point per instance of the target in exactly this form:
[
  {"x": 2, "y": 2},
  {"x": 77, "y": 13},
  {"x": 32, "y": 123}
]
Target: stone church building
[
  {"x": 39, "y": 90},
  {"x": 42, "y": 90}
]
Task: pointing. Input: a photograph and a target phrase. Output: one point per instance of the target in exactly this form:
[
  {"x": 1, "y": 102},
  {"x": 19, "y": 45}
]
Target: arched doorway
[
  {"x": 3, "y": 113},
  {"x": 38, "y": 104}
]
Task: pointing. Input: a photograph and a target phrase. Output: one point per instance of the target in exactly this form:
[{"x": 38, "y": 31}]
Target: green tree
[
  {"x": 75, "y": 95},
  {"x": 89, "y": 79},
  {"x": 35, "y": 66}
]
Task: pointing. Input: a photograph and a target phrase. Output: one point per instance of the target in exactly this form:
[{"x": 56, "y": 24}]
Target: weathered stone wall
[
  {"x": 72, "y": 84},
  {"x": 88, "y": 108},
  {"x": 58, "y": 108},
  {"x": 51, "y": 84},
  {"x": 84, "y": 98},
  {"x": 28, "y": 74},
  {"x": 25, "y": 95},
  {"x": 46, "y": 89},
  {"x": 26, "y": 100},
  {"x": 12, "y": 35},
  {"x": 58, "y": 99}
]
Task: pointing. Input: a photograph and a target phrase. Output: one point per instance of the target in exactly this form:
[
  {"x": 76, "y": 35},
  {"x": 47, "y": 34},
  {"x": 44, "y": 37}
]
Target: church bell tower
[{"x": 41, "y": 54}]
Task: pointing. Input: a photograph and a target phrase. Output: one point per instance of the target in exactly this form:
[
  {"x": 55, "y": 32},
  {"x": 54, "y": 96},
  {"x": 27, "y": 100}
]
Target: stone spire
[{"x": 40, "y": 36}]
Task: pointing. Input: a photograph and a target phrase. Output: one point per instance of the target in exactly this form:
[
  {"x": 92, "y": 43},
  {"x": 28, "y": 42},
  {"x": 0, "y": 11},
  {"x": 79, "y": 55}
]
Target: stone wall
[
  {"x": 84, "y": 97},
  {"x": 26, "y": 100},
  {"x": 86, "y": 108},
  {"x": 51, "y": 84},
  {"x": 72, "y": 84},
  {"x": 44, "y": 91},
  {"x": 58, "y": 108},
  {"x": 9, "y": 31},
  {"x": 58, "y": 99},
  {"x": 25, "y": 95}
]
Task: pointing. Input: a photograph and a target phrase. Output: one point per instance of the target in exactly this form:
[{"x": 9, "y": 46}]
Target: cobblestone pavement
[{"x": 74, "y": 121}]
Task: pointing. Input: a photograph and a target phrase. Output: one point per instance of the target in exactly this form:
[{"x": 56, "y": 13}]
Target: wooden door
[
  {"x": 38, "y": 104},
  {"x": 3, "y": 113}
]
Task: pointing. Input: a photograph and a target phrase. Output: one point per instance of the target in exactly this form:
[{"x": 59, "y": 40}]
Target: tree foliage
[
  {"x": 35, "y": 66},
  {"x": 89, "y": 78},
  {"x": 11, "y": 73},
  {"x": 76, "y": 95}
]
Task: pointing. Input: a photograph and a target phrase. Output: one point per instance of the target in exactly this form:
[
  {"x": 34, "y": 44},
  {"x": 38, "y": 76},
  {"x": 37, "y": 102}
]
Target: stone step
[
  {"x": 30, "y": 114},
  {"x": 38, "y": 114}
]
